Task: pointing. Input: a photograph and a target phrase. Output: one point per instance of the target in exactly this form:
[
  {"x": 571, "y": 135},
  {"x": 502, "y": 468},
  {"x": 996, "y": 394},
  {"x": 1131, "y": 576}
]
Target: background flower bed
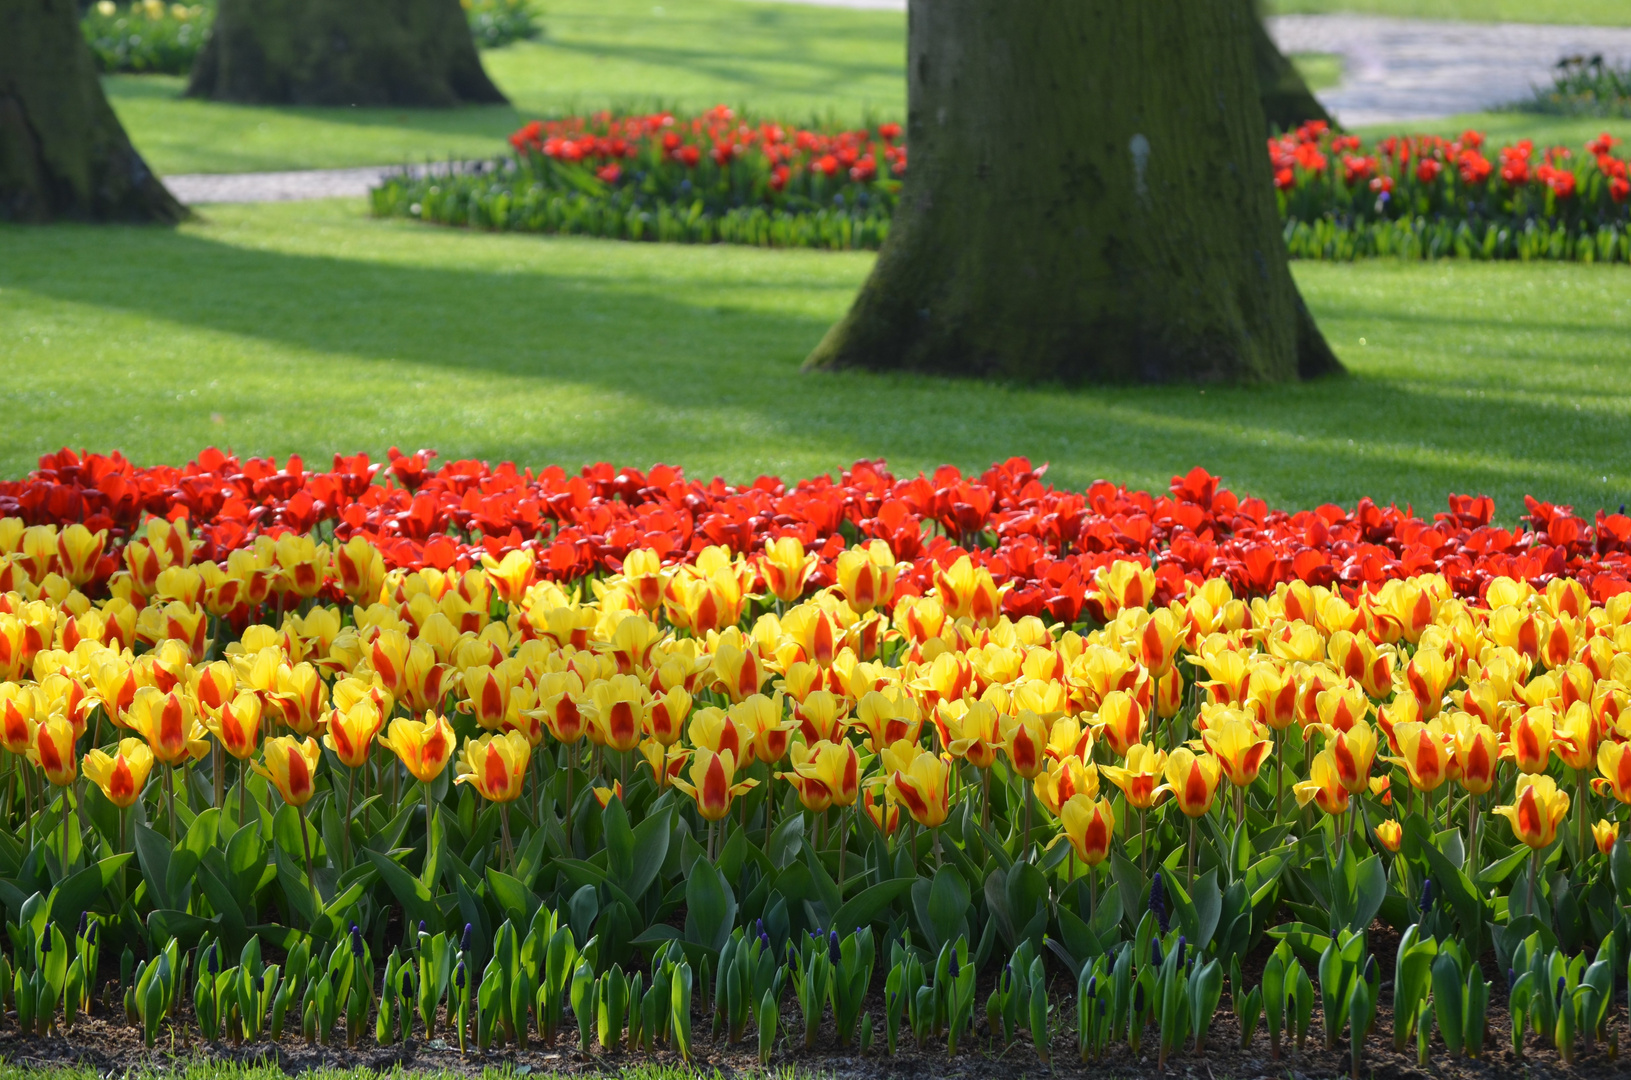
[
  {"x": 150, "y": 37},
  {"x": 720, "y": 178}
]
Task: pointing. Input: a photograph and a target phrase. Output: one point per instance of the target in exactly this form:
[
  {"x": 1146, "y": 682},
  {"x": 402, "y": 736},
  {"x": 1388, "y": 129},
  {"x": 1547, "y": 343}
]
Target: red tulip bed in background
[
  {"x": 494, "y": 756},
  {"x": 721, "y": 178}
]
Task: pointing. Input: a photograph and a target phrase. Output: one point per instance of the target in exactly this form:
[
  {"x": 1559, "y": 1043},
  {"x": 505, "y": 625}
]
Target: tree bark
[
  {"x": 342, "y": 52},
  {"x": 1287, "y": 100},
  {"x": 63, "y": 152},
  {"x": 1088, "y": 199}
]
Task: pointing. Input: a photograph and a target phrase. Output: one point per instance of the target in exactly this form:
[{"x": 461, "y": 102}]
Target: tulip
[
  {"x": 511, "y": 576},
  {"x": 887, "y": 720},
  {"x": 122, "y": 774},
  {"x": 1324, "y": 786},
  {"x": 866, "y": 574},
  {"x": 1342, "y": 707},
  {"x": 616, "y": 709},
  {"x": 1158, "y": 642},
  {"x": 968, "y": 592},
  {"x": 769, "y": 732},
  {"x": 1120, "y": 721},
  {"x": 169, "y": 723},
  {"x": 786, "y": 568},
  {"x": 291, "y": 766},
  {"x": 1529, "y": 742},
  {"x": 487, "y": 694},
  {"x": 423, "y": 746},
  {"x": 1025, "y": 740},
  {"x": 664, "y": 762},
  {"x": 1536, "y": 809},
  {"x": 425, "y": 681},
  {"x": 1477, "y": 750},
  {"x": 78, "y": 552},
  {"x": 738, "y": 670},
  {"x": 1614, "y": 762},
  {"x": 18, "y": 706},
  {"x": 236, "y": 723},
  {"x": 604, "y": 795},
  {"x": 1192, "y": 780},
  {"x": 813, "y": 793},
  {"x": 923, "y": 786},
  {"x": 1390, "y": 834},
  {"x": 664, "y": 716},
  {"x": 1353, "y": 752},
  {"x": 1605, "y": 833},
  {"x": 558, "y": 697},
  {"x": 1089, "y": 825},
  {"x": 1238, "y": 747},
  {"x": 1065, "y": 779},
  {"x": 884, "y": 814},
  {"x": 494, "y": 765},
  {"x": 717, "y": 730},
  {"x": 1125, "y": 584},
  {"x": 713, "y": 784},
  {"x": 1426, "y": 753},
  {"x": 1137, "y": 778},
  {"x": 361, "y": 570},
  {"x": 350, "y": 733},
  {"x": 53, "y": 750}
]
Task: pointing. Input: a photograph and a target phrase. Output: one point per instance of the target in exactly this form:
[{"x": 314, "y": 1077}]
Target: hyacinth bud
[
  {"x": 1427, "y": 896},
  {"x": 764, "y": 941},
  {"x": 835, "y": 952},
  {"x": 1183, "y": 944},
  {"x": 1560, "y": 988},
  {"x": 83, "y": 918},
  {"x": 93, "y": 932},
  {"x": 759, "y": 925},
  {"x": 1511, "y": 979},
  {"x": 1155, "y": 952},
  {"x": 45, "y": 943},
  {"x": 422, "y": 929},
  {"x": 952, "y": 969},
  {"x": 356, "y": 943},
  {"x": 458, "y": 975},
  {"x": 213, "y": 960},
  {"x": 260, "y": 984},
  {"x": 1370, "y": 967},
  {"x": 1158, "y": 901},
  {"x": 1093, "y": 986},
  {"x": 1138, "y": 997},
  {"x": 1007, "y": 977},
  {"x": 464, "y": 945}
]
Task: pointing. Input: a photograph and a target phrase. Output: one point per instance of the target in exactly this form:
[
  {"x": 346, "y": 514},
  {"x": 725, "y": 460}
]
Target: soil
[{"x": 107, "y": 1043}]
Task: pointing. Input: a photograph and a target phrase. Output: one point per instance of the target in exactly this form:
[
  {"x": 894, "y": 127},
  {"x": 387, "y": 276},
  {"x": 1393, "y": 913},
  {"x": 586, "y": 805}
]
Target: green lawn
[
  {"x": 1320, "y": 71},
  {"x": 1592, "y": 12},
  {"x": 310, "y": 328},
  {"x": 794, "y": 61}
]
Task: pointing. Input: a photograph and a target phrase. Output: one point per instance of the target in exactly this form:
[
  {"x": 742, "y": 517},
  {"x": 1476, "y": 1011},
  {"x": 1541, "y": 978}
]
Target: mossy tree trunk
[
  {"x": 63, "y": 152},
  {"x": 1088, "y": 199},
  {"x": 1287, "y": 100},
  {"x": 342, "y": 52}
]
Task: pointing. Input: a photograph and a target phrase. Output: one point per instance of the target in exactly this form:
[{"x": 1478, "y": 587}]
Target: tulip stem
[
  {"x": 1534, "y": 859},
  {"x": 1191, "y": 854},
  {"x": 1580, "y": 786},
  {"x": 311, "y": 879},
  {"x": 1143, "y": 840},
  {"x": 985, "y": 806},
  {"x": 1472, "y": 837},
  {"x": 65, "y": 833},
  {"x": 243, "y": 792},
  {"x": 571, "y": 750},
  {"x": 170, "y": 800},
  {"x": 218, "y": 767},
  {"x": 504, "y": 828},
  {"x": 350, "y": 808},
  {"x": 1279, "y": 776},
  {"x": 843, "y": 849},
  {"x": 430, "y": 835}
]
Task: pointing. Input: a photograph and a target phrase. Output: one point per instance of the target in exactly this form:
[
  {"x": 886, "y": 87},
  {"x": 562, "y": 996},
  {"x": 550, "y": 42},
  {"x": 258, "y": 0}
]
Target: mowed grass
[
  {"x": 310, "y": 328},
  {"x": 794, "y": 61},
  {"x": 1582, "y": 12}
]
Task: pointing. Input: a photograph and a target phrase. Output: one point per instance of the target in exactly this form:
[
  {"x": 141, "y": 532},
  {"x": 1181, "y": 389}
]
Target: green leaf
[
  {"x": 941, "y": 905},
  {"x": 518, "y": 902},
  {"x": 418, "y": 905},
  {"x": 81, "y": 891},
  {"x": 786, "y": 841},
  {"x": 865, "y": 907},
  {"x": 153, "y": 855},
  {"x": 651, "y": 842},
  {"x": 710, "y": 907},
  {"x": 619, "y": 840}
]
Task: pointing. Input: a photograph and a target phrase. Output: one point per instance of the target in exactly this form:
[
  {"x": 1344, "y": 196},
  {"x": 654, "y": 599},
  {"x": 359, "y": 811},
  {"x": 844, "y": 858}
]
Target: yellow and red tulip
[
  {"x": 923, "y": 787},
  {"x": 291, "y": 765},
  {"x": 423, "y": 746},
  {"x": 1192, "y": 780},
  {"x": 495, "y": 765},
  {"x": 1537, "y": 808},
  {"x": 1090, "y": 825},
  {"x": 1138, "y": 776},
  {"x": 713, "y": 783},
  {"x": 122, "y": 774}
]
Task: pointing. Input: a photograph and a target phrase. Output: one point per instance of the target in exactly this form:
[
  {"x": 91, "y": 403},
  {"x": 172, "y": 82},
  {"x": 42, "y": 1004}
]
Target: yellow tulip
[
  {"x": 713, "y": 783},
  {"x": 53, "y": 750},
  {"x": 351, "y": 732},
  {"x": 1426, "y": 754},
  {"x": 1238, "y": 747},
  {"x": 1089, "y": 826},
  {"x": 1536, "y": 810},
  {"x": 169, "y": 723},
  {"x": 122, "y": 774},
  {"x": 423, "y": 746},
  {"x": 1192, "y": 780},
  {"x": 494, "y": 765},
  {"x": 1137, "y": 778},
  {"x": 786, "y": 568},
  {"x": 1025, "y": 739},
  {"x": 1529, "y": 740},
  {"x": 291, "y": 766},
  {"x": 1324, "y": 786},
  {"x": 1390, "y": 834},
  {"x": 866, "y": 574},
  {"x": 1605, "y": 833},
  {"x": 923, "y": 786}
]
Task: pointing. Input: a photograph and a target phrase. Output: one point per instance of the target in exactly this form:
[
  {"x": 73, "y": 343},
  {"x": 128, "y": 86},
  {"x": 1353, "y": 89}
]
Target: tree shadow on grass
[{"x": 712, "y": 357}]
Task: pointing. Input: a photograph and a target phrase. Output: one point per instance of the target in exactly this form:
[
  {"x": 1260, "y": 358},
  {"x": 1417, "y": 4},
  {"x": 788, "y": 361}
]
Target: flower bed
[
  {"x": 721, "y": 179},
  {"x": 717, "y": 751}
]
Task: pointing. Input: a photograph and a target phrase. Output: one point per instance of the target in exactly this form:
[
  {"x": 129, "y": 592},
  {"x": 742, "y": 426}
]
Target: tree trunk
[
  {"x": 1088, "y": 199},
  {"x": 63, "y": 153},
  {"x": 1287, "y": 100},
  {"x": 342, "y": 52}
]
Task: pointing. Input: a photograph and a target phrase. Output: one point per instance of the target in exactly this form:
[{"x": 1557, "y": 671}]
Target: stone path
[
  {"x": 1396, "y": 71},
  {"x": 1410, "y": 69}
]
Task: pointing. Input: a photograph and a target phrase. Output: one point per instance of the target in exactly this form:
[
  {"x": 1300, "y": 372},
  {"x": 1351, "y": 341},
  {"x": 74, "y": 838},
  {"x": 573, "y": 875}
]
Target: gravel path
[{"x": 1396, "y": 71}]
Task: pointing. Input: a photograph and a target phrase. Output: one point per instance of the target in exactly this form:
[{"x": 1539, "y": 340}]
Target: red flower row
[{"x": 1046, "y": 544}]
